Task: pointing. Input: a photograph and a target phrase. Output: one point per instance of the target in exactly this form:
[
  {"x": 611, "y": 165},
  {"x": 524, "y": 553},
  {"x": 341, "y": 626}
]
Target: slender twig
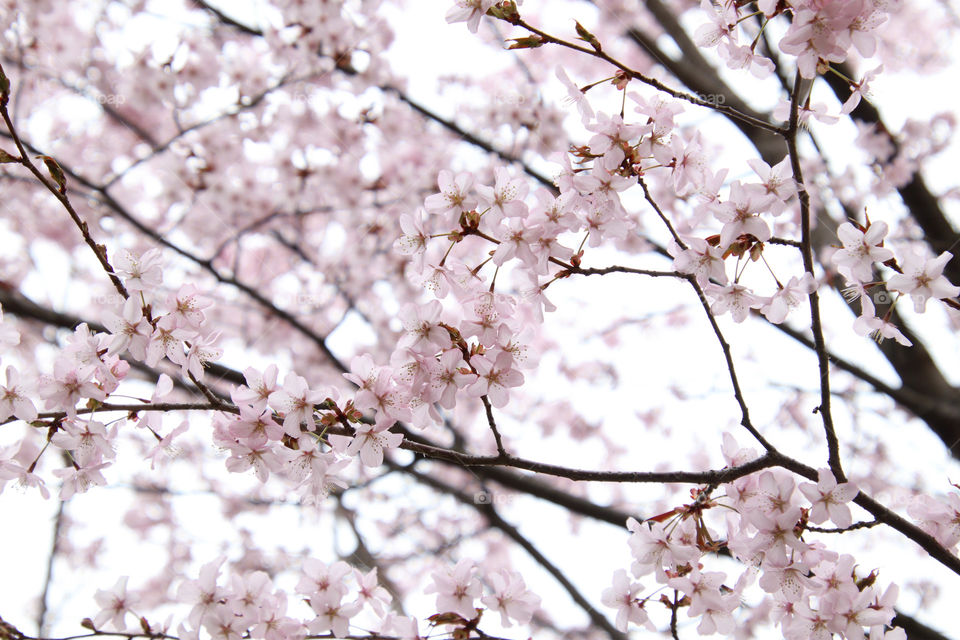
[
  {"x": 48, "y": 578},
  {"x": 866, "y": 524},
  {"x": 59, "y": 191},
  {"x": 656, "y": 84},
  {"x": 826, "y": 415},
  {"x": 492, "y": 422}
]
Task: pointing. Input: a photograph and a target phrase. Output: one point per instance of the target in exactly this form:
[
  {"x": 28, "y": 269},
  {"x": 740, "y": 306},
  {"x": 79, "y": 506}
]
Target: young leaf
[
  {"x": 588, "y": 37},
  {"x": 56, "y": 173}
]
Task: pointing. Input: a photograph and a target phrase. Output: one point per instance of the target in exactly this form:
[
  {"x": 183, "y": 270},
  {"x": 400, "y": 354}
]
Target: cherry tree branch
[
  {"x": 833, "y": 444},
  {"x": 51, "y": 559},
  {"x": 102, "y": 193},
  {"x": 653, "y": 82},
  {"x": 59, "y": 191},
  {"x": 492, "y": 423}
]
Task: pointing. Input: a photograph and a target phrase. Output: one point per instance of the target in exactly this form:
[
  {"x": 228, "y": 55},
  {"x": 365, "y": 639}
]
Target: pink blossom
[
  {"x": 575, "y": 95},
  {"x": 69, "y": 385},
  {"x": 203, "y": 593},
  {"x": 370, "y": 592},
  {"x": 861, "y": 249},
  {"x": 223, "y": 624},
  {"x": 784, "y": 576},
  {"x": 654, "y": 548},
  {"x": 939, "y": 518},
  {"x": 321, "y": 579},
  {"x": 165, "y": 447},
  {"x": 14, "y": 400},
  {"x": 707, "y": 602},
  {"x": 255, "y": 426},
  {"x": 200, "y": 352},
  {"x": 505, "y": 198},
  {"x": 777, "y": 180},
  {"x": 700, "y": 260},
  {"x": 370, "y": 443},
  {"x": 453, "y": 194},
  {"x": 115, "y": 604},
  {"x": 297, "y": 403},
  {"x": 259, "y": 387},
  {"x": 516, "y": 239},
  {"x": 89, "y": 440},
  {"x": 860, "y": 90},
  {"x": 140, "y": 273},
  {"x": 922, "y": 279},
  {"x": 422, "y": 324},
  {"x": 722, "y": 25},
  {"x": 788, "y": 297},
  {"x": 494, "y": 378},
  {"x": 511, "y": 598},
  {"x": 167, "y": 341},
  {"x": 332, "y": 614},
  {"x": 457, "y": 589},
  {"x": 622, "y": 597},
  {"x": 828, "y": 499},
  {"x": 414, "y": 240},
  {"x": 469, "y": 11},
  {"x": 261, "y": 457},
  {"x": 739, "y": 213},
  {"x": 187, "y": 306},
  {"x": 80, "y": 479},
  {"x": 880, "y": 329},
  {"x": 450, "y": 376},
  {"x": 735, "y": 298},
  {"x": 131, "y": 331}
]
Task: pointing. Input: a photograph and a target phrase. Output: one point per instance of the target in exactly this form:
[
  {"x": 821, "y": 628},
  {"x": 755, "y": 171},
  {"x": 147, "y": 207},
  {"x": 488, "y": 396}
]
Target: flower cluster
[
  {"x": 89, "y": 368},
  {"x": 860, "y": 257},
  {"x": 814, "y": 592},
  {"x": 818, "y": 33},
  {"x": 340, "y": 599}
]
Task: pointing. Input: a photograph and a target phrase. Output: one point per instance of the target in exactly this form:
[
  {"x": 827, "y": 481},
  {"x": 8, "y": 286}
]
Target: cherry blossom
[
  {"x": 369, "y": 443},
  {"x": 457, "y": 589},
  {"x": 141, "y": 273},
  {"x": 739, "y": 214},
  {"x": 284, "y": 192},
  {"x": 453, "y": 194},
  {"x": 699, "y": 259},
  {"x": 575, "y": 95},
  {"x": 787, "y": 297},
  {"x": 131, "y": 331},
  {"x": 296, "y": 401},
  {"x": 115, "y": 604},
  {"x": 922, "y": 279},
  {"x": 332, "y": 614},
  {"x": 861, "y": 249},
  {"x": 14, "y": 400},
  {"x": 622, "y": 597},
  {"x": 735, "y": 298},
  {"x": 494, "y": 378},
  {"x": 79, "y": 479},
  {"x": 511, "y": 598},
  {"x": 469, "y": 11},
  {"x": 828, "y": 499},
  {"x": 505, "y": 198}
]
